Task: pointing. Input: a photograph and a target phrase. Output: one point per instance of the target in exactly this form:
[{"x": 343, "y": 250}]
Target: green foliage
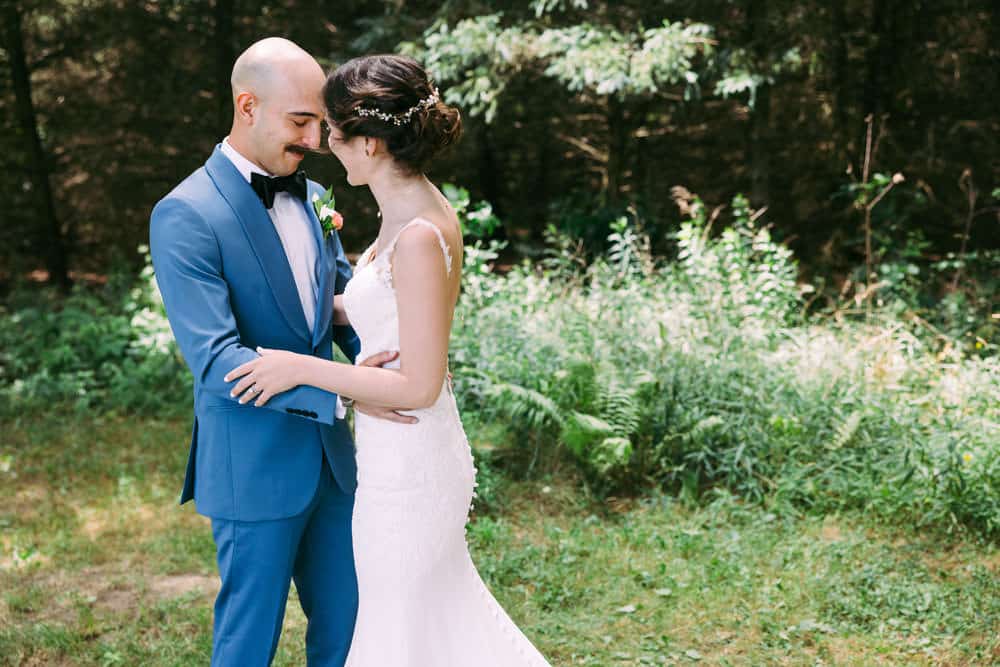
[
  {"x": 706, "y": 373},
  {"x": 93, "y": 350},
  {"x": 743, "y": 274},
  {"x": 477, "y": 221},
  {"x": 620, "y": 99},
  {"x": 740, "y": 75},
  {"x": 478, "y": 58}
]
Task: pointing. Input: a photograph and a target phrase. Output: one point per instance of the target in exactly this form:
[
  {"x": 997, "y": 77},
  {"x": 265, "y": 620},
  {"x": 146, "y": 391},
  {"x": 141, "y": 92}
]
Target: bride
[{"x": 422, "y": 602}]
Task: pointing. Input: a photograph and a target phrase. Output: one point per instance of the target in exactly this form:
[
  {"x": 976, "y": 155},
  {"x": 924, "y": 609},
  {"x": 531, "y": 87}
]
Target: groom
[{"x": 242, "y": 262}]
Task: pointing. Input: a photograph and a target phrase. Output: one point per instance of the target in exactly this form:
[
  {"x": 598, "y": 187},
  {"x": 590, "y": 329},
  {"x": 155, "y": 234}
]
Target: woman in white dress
[{"x": 422, "y": 602}]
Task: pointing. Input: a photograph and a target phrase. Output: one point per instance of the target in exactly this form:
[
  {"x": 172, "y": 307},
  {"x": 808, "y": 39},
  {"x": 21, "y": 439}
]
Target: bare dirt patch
[
  {"x": 172, "y": 586},
  {"x": 104, "y": 590},
  {"x": 30, "y": 500}
]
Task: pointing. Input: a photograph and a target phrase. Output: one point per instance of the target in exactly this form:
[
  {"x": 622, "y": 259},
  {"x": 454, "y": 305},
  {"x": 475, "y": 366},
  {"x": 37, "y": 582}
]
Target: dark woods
[{"x": 106, "y": 104}]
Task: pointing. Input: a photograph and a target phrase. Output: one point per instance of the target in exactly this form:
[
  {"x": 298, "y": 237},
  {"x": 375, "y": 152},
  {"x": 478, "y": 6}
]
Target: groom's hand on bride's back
[{"x": 378, "y": 411}]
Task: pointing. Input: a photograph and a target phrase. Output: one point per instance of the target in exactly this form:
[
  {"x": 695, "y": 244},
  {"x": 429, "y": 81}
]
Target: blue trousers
[{"x": 258, "y": 559}]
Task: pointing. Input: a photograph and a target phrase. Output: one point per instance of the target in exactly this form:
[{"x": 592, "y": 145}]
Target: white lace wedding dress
[{"x": 422, "y": 602}]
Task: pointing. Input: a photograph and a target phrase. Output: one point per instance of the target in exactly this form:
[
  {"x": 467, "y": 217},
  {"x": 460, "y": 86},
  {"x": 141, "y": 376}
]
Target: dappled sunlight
[{"x": 726, "y": 346}]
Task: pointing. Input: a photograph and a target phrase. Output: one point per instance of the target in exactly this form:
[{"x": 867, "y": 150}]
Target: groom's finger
[
  {"x": 400, "y": 418},
  {"x": 381, "y": 358},
  {"x": 386, "y": 414}
]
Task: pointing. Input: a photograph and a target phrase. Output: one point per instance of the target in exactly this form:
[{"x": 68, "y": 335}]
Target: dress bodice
[{"x": 370, "y": 300}]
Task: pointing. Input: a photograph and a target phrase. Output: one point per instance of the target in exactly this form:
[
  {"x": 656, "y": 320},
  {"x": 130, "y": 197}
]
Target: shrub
[
  {"x": 106, "y": 349},
  {"x": 704, "y": 373}
]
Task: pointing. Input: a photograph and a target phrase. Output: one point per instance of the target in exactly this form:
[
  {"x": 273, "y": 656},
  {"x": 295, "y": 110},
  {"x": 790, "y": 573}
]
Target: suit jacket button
[{"x": 290, "y": 410}]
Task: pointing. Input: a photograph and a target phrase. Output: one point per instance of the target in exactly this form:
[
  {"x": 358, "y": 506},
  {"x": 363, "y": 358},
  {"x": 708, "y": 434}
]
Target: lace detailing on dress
[{"x": 384, "y": 267}]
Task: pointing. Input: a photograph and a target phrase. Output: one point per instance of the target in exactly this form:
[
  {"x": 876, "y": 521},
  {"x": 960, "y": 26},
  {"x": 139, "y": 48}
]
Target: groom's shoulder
[
  {"x": 195, "y": 196},
  {"x": 196, "y": 188}
]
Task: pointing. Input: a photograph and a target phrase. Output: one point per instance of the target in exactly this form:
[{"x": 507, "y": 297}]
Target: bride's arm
[{"x": 425, "y": 308}]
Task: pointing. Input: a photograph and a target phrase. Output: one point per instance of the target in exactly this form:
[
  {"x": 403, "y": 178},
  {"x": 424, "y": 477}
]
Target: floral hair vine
[{"x": 404, "y": 116}]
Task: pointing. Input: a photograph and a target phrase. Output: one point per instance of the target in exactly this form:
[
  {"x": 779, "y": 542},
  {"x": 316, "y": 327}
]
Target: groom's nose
[{"x": 311, "y": 137}]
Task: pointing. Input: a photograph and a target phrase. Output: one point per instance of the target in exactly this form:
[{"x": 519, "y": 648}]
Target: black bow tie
[{"x": 267, "y": 187}]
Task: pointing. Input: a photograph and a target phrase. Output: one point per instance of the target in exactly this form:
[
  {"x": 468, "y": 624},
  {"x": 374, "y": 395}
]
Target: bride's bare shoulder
[{"x": 425, "y": 235}]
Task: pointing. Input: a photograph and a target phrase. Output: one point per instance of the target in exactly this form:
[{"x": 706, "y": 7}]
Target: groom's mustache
[{"x": 305, "y": 150}]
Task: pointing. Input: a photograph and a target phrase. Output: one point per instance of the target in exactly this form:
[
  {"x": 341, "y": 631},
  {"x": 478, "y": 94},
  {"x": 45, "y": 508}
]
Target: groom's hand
[{"x": 379, "y": 412}]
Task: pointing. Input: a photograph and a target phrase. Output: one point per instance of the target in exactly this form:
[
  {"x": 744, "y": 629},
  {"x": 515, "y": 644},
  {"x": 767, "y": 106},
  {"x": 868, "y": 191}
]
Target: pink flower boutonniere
[{"x": 329, "y": 218}]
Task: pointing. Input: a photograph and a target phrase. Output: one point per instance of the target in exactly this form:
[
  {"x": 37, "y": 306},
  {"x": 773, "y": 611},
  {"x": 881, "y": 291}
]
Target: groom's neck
[{"x": 242, "y": 146}]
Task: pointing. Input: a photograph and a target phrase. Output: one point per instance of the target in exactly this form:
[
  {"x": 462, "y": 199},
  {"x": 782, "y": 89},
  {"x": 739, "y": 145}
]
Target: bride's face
[{"x": 351, "y": 153}]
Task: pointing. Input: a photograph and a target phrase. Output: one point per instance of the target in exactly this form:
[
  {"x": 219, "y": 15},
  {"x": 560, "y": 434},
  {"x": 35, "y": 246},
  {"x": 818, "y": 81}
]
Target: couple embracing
[{"x": 257, "y": 289}]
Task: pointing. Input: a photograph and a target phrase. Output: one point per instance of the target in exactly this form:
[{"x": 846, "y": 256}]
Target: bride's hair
[{"x": 390, "y": 97}]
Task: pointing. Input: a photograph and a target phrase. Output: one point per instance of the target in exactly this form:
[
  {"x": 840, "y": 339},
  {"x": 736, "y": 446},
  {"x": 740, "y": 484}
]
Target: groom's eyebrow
[{"x": 304, "y": 114}]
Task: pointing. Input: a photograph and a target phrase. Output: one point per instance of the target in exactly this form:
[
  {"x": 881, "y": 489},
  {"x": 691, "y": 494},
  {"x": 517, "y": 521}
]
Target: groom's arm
[{"x": 188, "y": 265}]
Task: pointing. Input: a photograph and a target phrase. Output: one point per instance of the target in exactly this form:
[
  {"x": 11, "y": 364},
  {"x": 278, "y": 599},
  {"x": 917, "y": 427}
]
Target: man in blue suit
[{"x": 242, "y": 262}]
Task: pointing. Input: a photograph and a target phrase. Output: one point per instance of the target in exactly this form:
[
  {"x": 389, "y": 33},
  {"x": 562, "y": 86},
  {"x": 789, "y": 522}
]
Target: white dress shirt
[{"x": 295, "y": 231}]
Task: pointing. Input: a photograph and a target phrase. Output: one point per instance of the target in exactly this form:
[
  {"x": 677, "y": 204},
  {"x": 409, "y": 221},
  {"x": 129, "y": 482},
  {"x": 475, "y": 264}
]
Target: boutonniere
[{"x": 329, "y": 218}]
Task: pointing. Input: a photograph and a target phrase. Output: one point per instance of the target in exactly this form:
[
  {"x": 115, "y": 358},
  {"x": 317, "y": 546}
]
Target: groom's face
[{"x": 287, "y": 122}]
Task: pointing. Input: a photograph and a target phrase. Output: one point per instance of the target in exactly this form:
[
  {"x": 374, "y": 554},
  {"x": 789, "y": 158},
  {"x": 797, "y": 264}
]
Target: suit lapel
[
  {"x": 263, "y": 238},
  {"x": 324, "y": 305}
]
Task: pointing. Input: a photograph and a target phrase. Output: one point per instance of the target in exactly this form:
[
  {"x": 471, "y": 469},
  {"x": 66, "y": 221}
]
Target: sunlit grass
[{"x": 100, "y": 567}]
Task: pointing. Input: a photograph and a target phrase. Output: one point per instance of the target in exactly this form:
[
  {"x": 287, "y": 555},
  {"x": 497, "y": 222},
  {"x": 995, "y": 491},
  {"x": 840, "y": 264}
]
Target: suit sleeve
[{"x": 188, "y": 266}]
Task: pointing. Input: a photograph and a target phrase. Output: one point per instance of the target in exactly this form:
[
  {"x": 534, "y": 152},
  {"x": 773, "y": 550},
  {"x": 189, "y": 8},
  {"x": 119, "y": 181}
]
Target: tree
[{"x": 50, "y": 231}]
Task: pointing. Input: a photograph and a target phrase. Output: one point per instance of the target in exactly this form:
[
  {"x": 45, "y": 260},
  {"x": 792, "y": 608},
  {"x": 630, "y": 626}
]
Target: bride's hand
[{"x": 273, "y": 372}]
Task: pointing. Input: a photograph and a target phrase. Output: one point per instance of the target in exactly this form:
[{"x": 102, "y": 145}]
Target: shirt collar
[{"x": 245, "y": 166}]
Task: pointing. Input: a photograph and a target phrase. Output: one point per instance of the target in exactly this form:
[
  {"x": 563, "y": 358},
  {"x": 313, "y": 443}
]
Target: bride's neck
[{"x": 398, "y": 197}]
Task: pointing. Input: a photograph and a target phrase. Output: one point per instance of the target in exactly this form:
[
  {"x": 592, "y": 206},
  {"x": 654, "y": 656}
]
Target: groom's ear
[{"x": 246, "y": 103}]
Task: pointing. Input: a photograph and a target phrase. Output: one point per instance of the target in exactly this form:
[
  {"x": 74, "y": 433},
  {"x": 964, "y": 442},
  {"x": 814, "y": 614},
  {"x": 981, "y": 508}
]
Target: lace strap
[{"x": 420, "y": 221}]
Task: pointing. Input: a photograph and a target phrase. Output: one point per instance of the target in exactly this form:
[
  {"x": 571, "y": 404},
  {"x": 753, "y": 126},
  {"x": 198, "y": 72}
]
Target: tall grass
[{"x": 706, "y": 372}]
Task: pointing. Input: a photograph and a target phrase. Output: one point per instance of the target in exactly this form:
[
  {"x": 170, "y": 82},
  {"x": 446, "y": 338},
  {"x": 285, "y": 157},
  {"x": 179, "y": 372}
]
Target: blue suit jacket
[{"x": 228, "y": 288}]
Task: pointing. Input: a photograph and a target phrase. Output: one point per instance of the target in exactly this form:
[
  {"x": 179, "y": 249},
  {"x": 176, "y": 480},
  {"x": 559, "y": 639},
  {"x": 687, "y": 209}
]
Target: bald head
[
  {"x": 277, "y": 104},
  {"x": 271, "y": 62}
]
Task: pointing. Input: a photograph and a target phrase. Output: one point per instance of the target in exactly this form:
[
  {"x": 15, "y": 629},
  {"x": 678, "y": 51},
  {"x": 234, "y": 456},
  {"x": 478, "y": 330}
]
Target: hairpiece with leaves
[{"x": 404, "y": 116}]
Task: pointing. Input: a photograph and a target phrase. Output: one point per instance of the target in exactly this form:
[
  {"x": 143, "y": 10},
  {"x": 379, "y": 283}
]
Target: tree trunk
[
  {"x": 224, "y": 57},
  {"x": 759, "y": 131},
  {"x": 489, "y": 168},
  {"x": 617, "y": 145},
  {"x": 839, "y": 75},
  {"x": 539, "y": 188},
  {"x": 877, "y": 60},
  {"x": 50, "y": 234}
]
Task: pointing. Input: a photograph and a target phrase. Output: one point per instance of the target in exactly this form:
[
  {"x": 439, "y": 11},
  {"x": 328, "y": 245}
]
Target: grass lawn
[{"x": 98, "y": 566}]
